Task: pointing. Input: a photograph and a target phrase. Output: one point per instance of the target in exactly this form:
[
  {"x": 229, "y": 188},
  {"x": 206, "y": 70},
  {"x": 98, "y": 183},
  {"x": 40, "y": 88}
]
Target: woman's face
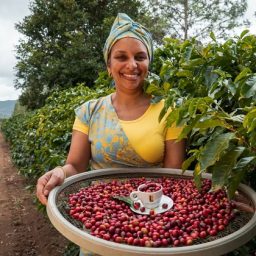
[{"x": 128, "y": 63}]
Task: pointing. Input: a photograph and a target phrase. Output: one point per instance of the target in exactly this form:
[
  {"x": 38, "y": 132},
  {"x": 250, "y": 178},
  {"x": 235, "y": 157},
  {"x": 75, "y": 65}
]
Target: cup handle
[{"x": 134, "y": 196}]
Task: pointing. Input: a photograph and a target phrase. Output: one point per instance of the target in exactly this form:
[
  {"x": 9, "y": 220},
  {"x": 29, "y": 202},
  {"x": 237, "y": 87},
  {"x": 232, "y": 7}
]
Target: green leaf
[
  {"x": 244, "y": 162},
  {"x": 222, "y": 73},
  {"x": 192, "y": 108},
  {"x": 252, "y": 126},
  {"x": 166, "y": 86},
  {"x": 244, "y": 32},
  {"x": 212, "y": 36},
  {"x": 187, "y": 53},
  {"x": 172, "y": 117},
  {"x": 248, "y": 88},
  {"x": 221, "y": 169},
  {"x": 244, "y": 73},
  {"x": 153, "y": 89},
  {"x": 188, "y": 162},
  {"x": 213, "y": 150},
  {"x": 198, "y": 176},
  {"x": 188, "y": 128},
  {"x": 250, "y": 116},
  {"x": 234, "y": 182},
  {"x": 193, "y": 63},
  {"x": 209, "y": 76},
  {"x": 162, "y": 114},
  {"x": 184, "y": 73},
  {"x": 210, "y": 123},
  {"x": 229, "y": 84},
  {"x": 185, "y": 131},
  {"x": 127, "y": 200}
]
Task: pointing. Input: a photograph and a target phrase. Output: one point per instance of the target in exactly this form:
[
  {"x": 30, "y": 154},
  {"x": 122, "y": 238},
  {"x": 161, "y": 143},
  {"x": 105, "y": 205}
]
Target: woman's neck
[{"x": 130, "y": 106}]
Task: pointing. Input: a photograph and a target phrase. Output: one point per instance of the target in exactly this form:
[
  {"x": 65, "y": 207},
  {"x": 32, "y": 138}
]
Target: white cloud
[
  {"x": 11, "y": 12},
  {"x": 7, "y": 91},
  {"x": 250, "y": 15}
]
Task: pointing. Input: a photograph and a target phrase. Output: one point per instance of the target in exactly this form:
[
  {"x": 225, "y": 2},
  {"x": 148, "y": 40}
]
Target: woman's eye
[
  {"x": 136, "y": 57},
  {"x": 141, "y": 58},
  {"x": 120, "y": 57}
]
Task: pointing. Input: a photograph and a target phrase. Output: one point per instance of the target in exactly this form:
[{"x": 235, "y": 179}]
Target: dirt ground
[{"x": 24, "y": 231}]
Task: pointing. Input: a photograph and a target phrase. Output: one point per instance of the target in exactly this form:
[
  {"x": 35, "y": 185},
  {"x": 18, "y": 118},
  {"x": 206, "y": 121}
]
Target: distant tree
[
  {"x": 63, "y": 42},
  {"x": 190, "y": 18}
]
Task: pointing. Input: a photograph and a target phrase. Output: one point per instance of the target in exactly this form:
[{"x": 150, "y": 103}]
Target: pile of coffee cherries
[
  {"x": 195, "y": 214},
  {"x": 150, "y": 187}
]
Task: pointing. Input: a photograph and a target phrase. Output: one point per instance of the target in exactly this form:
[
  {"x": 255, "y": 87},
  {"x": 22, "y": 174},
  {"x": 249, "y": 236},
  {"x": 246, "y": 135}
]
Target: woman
[{"x": 121, "y": 129}]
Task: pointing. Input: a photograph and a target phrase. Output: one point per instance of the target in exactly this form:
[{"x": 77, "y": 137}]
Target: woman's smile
[{"x": 131, "y": 77}]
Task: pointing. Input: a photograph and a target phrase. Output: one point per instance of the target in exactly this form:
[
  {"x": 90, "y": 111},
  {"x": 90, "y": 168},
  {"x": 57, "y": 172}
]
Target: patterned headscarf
[{"x": 124, "y": 26}]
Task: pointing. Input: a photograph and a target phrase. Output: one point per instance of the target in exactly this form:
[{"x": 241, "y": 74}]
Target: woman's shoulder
[{"x": 94, "y": 103}]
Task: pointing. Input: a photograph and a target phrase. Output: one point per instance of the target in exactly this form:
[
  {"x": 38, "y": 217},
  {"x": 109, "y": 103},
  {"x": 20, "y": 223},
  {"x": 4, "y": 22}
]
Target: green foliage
[
  {"x": 188, "y": 19},
  {"x": 19, "y": 109},
  {"x": 40, "y": 139},
  {"x": 213, "y": 94},
  {"x": 63, "y": 42}
]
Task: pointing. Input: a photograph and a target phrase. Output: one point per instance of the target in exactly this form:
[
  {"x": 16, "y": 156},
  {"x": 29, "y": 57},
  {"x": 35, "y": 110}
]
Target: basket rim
[{"x": 216, "y": 247}]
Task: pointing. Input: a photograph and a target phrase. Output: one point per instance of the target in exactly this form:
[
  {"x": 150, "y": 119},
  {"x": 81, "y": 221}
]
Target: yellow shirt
[{"x": 146, "y": 134}]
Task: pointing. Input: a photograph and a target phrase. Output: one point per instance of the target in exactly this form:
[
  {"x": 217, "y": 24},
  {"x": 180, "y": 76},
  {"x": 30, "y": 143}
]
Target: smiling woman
[{"x": 121, "y": 129}]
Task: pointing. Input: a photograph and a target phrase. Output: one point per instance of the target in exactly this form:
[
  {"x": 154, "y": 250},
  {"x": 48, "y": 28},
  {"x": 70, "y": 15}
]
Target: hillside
[{"x": 6, "y": 108}]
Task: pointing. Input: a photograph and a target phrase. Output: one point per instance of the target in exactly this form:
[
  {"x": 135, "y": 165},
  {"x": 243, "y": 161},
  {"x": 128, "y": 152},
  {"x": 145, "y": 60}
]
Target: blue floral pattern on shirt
[{"x": 110, "y": 147}]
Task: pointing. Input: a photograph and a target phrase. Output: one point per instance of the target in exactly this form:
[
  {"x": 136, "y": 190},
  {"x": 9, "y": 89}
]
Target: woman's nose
[{"x": 132, "y": 63}]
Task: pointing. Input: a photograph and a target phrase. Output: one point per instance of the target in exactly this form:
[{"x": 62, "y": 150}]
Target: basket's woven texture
[{"x": 62, "y": 203}]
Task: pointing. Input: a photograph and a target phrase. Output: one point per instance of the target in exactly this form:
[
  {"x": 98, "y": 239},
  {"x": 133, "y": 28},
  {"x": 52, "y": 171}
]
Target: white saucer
[{"x": 159, "y": 209}]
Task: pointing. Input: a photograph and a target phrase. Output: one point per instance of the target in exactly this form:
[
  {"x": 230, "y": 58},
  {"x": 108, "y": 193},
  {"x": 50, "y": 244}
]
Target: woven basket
[{"x": 238, "y": 232}]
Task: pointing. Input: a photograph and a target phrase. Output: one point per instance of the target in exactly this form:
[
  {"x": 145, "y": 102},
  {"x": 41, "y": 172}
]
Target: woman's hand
[
  {"x": 47, "y": 182},
  {"x": 77, "y": 161}
]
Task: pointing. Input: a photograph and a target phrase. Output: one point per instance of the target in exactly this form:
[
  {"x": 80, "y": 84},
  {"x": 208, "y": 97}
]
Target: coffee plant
[
  {"x": 213, "y": 95},
  {"x": 40, "y": 139}
]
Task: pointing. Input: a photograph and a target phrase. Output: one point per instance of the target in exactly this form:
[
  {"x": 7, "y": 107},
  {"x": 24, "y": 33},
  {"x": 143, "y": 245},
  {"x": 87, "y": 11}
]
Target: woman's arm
[
  {"x": 174, "y": 153},
  {"x": 77, "y": 161},
  {"x": 79, "y": 153}
]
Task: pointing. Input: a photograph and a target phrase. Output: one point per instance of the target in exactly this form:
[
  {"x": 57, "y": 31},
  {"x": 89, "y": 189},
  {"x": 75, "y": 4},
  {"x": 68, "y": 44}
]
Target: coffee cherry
[
  {"x": 136, "y": 205},
  {"x": 142, "y": 209},
  {"x": 194, "y": 215},
  {"x": 164, "y": 206},
  {"x": 152, "y": 212}
]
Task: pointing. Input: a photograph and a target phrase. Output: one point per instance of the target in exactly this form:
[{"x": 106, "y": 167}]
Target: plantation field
[{"x": 211, "y": 91}]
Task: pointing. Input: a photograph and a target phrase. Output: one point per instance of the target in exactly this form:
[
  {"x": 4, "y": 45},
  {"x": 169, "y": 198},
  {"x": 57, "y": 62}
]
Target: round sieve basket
[{"x": 236, "y": 234}]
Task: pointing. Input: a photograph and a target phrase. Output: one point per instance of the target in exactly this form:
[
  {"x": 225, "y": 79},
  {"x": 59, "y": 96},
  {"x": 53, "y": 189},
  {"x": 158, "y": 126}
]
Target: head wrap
[{"x": 124, "y": 26}]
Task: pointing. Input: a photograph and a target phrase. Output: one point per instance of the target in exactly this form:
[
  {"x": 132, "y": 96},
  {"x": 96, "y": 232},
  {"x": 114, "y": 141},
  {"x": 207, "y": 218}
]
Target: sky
[{"x": 12, "y": 12}]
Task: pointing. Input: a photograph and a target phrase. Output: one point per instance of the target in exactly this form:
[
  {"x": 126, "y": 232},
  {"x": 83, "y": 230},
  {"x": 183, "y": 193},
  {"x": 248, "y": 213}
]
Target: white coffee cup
[{"x": 149, "y": 197}]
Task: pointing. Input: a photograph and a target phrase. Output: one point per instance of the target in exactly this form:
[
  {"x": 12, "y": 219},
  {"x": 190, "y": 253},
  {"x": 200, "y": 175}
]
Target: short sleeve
[
  {"x": 173, "y": 132},
  {"x": 82, "y": 120},
  {"x": 83, "y": 113},
  {"x": 80, "y": 126}
]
